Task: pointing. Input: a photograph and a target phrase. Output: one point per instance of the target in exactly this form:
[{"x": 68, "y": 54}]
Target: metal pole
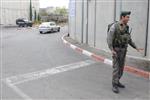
[
  {"x": 95, "y": 24},
  {"x": 69, "y": 19},
  {"x": 115, "y": 4},
  {"x": 87, "y": 23},
  {"x": 146, "y": 40},
  {"x": 75, "y": 17},
  {"x": 82, "y": 21}
]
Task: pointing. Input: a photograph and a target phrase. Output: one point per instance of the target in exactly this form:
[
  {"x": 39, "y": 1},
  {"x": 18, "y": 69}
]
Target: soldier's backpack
[
  {"x": 109, "y": 25},
  {"x": 108, "y": 28}
]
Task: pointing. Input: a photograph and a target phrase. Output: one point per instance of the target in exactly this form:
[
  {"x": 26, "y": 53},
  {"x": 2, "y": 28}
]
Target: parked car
[
  {"x": 22, "y": 22},
  {"x": 46, "y": 27}
]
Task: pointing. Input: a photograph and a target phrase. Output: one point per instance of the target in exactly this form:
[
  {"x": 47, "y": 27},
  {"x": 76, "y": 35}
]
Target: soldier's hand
[
  {"x": 139, "y": 49},
  {"x": 114, "y": 52}
]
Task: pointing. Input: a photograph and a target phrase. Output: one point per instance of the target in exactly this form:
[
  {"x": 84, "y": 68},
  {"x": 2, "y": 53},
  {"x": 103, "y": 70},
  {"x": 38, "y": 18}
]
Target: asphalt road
[{"x": 40, "y": 67}]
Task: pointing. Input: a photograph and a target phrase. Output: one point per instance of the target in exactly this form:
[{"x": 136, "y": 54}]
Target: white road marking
[
  {"x": 14, "y": 80},
  {"x": 17, "y": 90},
  {"x": 87, "y": 53}
]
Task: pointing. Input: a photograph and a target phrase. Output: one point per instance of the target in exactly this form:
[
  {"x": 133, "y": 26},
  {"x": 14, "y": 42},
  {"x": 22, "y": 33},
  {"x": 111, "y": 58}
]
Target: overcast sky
[{"x": 54, "y": 3}]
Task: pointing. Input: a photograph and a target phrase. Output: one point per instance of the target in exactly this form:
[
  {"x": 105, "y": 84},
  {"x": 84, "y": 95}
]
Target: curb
[{"x": 130, "y": 69}]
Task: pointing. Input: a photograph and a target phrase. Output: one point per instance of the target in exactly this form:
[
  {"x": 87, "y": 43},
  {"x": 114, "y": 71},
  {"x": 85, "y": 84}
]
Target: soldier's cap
[{"x": 125, "y": 13}]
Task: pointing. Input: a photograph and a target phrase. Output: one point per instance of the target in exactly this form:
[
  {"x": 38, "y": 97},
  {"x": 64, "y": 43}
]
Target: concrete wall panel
[
  {"x": 138, "y": 22},
  {"x": 91, "y": 22},
  {"x": 104, "y": 16},
  {"x": 106, "y": 12},
  {"x": 78, "y": 21}
]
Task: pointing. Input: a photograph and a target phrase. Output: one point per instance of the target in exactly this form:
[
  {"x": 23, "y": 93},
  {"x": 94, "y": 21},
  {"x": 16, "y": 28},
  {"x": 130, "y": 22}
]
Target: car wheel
[
  {"x": 41, "y": 32},
  {"x": 30, "y": 25},
  {"x": 58, "y": 30}
]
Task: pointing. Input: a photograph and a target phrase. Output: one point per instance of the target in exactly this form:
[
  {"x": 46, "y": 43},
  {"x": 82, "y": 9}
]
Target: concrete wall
[
  {"x": 104, "y": 16},
  {"x": 138, "y": 22},
  {"x": 78, "y": 23},
  {"x": 91, "y": 23},
  {"x": 93, "y": 16},
  {"x": 11, "y": 10},
  {"x": 85, "y": 20},
  {"x": 72, "y": 17}
]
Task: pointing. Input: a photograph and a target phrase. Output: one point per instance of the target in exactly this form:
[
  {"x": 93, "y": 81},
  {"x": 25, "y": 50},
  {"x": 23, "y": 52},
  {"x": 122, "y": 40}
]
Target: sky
[{"x": 54, "y": 3}]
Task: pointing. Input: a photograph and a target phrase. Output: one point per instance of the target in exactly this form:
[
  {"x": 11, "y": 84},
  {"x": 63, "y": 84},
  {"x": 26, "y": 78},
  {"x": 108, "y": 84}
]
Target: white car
[{"x": 49, "y": 27}]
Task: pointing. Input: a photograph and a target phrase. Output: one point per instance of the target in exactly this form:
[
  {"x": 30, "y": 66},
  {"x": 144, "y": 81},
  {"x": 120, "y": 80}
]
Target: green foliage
[
  {"x": 35, "y": 16},
  {"x": 61, "y": 11},
  {"x": 30, "y": 10},
  {"x": 39, "y": 18}
]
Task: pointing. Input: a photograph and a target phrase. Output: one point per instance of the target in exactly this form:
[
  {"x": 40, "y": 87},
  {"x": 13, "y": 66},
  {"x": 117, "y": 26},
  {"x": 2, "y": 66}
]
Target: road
[{"x": 40, "y": 67}]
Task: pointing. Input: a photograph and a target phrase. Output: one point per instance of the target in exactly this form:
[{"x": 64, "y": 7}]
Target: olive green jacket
[{"x": 119, "y": 35}]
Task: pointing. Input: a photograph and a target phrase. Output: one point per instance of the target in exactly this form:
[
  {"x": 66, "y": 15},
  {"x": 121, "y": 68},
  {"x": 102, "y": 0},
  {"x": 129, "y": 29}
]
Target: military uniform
[{"x": 118, "y": 39}]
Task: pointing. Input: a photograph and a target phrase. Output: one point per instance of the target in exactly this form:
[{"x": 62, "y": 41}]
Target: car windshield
[
  {"x": 48, "y": 23},
  {"x": 45, "y": 24},
  {"x": 52, "y": 24}
]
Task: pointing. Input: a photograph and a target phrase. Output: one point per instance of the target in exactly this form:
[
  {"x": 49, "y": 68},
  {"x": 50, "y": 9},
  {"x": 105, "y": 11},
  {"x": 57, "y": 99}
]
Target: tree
[
  {"x": 61, "y": 11},
  {"x": 42, "y": 12},
  {"x": 39, "y": 18},
  {"x": 30, "y": 10},
  {"x": 35, "y": 16}
]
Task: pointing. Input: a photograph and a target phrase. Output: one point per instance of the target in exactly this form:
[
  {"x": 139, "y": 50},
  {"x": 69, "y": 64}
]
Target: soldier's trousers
[{"x": 118, "y": 64}]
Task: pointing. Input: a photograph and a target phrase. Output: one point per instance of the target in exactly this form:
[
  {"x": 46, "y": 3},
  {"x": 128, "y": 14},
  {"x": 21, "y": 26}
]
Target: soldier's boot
[
  {"x": 115, "y": 89},
  {"x": 120, "y": 85}
]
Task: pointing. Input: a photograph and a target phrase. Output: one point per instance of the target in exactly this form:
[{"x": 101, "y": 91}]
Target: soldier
[{"x": 118, "y": 39}]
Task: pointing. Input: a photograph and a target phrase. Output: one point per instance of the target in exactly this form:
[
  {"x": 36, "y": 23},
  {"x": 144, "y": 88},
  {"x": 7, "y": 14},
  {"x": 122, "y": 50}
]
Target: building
[
  {"x": 88, "y": 21},
  {"x": 10, "y": 10}
]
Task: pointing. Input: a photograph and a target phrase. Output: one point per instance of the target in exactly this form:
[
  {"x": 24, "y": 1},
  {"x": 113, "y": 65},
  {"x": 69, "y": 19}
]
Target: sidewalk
[
  {"x": 134, "y": 65},
  {"x": 16, "y": 26}
]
